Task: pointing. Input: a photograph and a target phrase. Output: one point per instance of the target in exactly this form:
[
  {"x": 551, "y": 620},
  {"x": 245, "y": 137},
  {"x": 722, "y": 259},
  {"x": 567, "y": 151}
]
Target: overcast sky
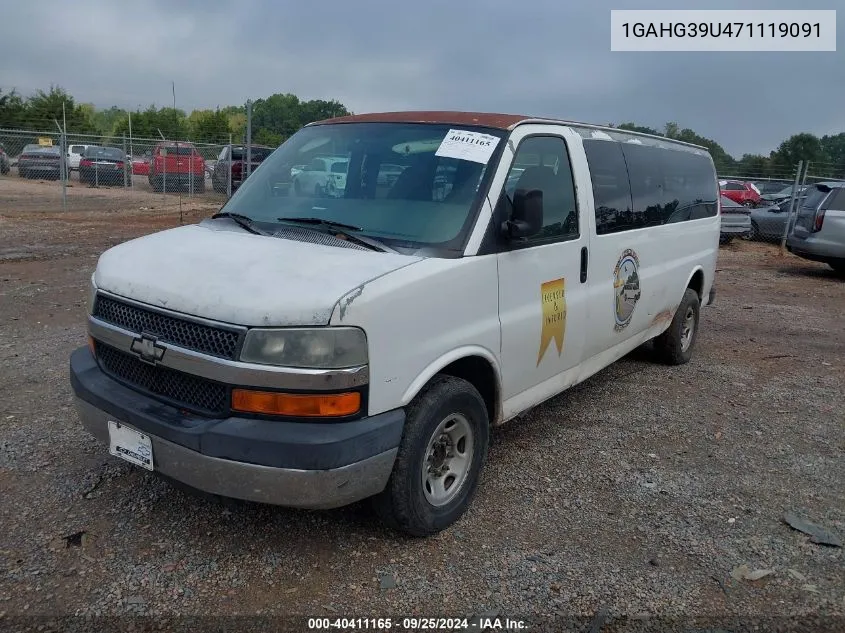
[{"x": 538, "y": 57}]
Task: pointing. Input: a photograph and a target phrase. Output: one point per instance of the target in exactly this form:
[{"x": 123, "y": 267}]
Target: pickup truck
[{"x": 176, "y": 166}]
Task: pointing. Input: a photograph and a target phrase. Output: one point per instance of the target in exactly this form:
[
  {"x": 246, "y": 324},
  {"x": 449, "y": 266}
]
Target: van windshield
[{"x": 400, "y": 183}]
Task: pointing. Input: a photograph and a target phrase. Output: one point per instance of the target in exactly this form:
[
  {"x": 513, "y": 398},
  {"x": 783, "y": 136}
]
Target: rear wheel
[
  {"x": 675, "y": 345},
  {"x": 439, "y": 462}
]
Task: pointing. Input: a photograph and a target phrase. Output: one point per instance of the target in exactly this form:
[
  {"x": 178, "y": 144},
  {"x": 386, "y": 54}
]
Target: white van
[{"x": 312, "y": 351}]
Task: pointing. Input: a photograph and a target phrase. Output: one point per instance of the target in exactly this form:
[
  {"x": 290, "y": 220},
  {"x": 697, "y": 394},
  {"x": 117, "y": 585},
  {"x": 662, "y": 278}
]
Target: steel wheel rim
[
  {"x": 447, "y": 460},
  {"x": 687, "y": 328}
]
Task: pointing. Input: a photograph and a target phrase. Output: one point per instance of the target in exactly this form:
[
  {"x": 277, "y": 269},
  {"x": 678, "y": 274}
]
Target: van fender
[
  {"x": 698, "y": 268},
  {"x": 448, "y": 358}
]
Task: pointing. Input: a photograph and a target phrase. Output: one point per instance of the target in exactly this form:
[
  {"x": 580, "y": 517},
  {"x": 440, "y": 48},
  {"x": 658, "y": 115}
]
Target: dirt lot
[{"x": 636, "y": 493}]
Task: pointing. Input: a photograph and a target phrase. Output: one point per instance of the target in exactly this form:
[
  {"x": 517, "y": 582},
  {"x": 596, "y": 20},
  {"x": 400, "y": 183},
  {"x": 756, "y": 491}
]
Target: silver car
[
  {"x": 819, "y": 230},
  {"x": 736, "y": 220},
  {"x": 769, "y": 223}
]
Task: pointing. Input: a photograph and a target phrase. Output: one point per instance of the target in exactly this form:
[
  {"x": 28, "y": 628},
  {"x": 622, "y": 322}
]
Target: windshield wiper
[
  {"x": 241, "y": 220},
  {"x": 327, "y": 223},
  {"x": 336, "y": 226}
]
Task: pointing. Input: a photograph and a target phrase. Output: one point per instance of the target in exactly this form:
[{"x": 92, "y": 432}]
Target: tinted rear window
[
  {"x": 104, "y": 152},
  {"x": 257, "y": 153},
  {"x": 182, "y": 150},
  {"x": 77, "y": 149},
  {"x": 339, "y": 168},
  {"x": 814, "y": 198},
  {"x": 837, "y": 199}
]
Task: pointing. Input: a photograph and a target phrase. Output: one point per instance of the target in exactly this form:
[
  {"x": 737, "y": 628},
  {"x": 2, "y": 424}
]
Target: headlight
[
  {"x": 314, "y": 348},
  {"x": 92, "y": 294}
]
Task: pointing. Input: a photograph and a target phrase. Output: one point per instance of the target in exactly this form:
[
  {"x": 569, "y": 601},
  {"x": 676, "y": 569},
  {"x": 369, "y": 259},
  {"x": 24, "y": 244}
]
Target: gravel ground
[{"x": 636, "y": 493}]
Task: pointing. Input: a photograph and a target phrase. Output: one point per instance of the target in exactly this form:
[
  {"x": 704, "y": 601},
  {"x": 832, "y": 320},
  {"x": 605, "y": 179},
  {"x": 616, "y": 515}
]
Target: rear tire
[
  {"x": 675, "y": 345},
  {"x": 438, "y": 466}
]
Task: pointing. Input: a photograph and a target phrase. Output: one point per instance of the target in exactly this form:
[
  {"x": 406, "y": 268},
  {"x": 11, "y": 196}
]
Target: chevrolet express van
[{"x": 310, "y": 350}]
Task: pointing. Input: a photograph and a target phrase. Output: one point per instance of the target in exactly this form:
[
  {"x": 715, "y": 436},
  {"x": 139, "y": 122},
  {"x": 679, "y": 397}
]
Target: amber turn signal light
[
  {"x": 91, "y": 346},
  {"x": 298, "y": 405}
]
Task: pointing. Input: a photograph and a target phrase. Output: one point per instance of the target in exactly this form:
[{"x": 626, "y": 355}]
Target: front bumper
[{"x": 297, "y": 464}]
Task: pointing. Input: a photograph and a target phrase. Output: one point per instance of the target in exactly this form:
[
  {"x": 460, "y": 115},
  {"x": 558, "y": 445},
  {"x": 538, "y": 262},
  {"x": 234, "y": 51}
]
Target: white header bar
[{"x": 707, "y": 30}]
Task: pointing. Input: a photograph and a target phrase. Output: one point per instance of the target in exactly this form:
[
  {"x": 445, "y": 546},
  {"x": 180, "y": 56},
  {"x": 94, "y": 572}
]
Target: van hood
[{"x": 238, "y": 277}]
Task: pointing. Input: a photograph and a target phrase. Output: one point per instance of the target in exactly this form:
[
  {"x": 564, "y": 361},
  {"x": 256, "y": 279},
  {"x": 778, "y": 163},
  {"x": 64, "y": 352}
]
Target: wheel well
[
  {"x": 697, "y": 283},
  {"x": 480, "y": 374}
]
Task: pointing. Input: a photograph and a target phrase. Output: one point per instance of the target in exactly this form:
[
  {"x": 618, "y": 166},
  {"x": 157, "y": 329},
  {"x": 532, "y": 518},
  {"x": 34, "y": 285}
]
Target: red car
[
  {"x": 176, "y": 165},
  {"x": 744, "y": 193}
]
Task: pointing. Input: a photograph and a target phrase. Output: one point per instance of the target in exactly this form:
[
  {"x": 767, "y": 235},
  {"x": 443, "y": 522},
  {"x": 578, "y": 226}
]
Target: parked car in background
[
  {"x": 818, "y": 233},
  {"x": 235, "y": 162},
  {"x": 768, "y": 222},
  {"x": 736, "y": 220},
  {"x": 176, "y": 165},
  {"x": 296, "y": 169},
  {"x": 5, "y": 162},
  {"x": 74, "y": 156},
  {"x": 782, "y": 194},
  {"x": 742, "y": 192},
  {"x": 767, "y": 187},
  {"x": 141, "y": 165},
  {"x": 37, "y": 161},
  {"x": 102, "y": 166},
  {"x": 322, "y": 176}
]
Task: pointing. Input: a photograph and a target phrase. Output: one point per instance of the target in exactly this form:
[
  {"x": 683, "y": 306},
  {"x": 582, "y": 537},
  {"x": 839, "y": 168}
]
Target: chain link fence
[
  {"x": 170, "y": 167},
  {"x": 763, "y": 207}
]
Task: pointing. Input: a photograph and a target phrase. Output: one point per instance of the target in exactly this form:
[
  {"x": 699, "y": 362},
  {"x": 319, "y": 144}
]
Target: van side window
[
  {"x": 542, "y": 162},
  {"x": 611, "y": 188},
  {"x": 663, "y": 186}
]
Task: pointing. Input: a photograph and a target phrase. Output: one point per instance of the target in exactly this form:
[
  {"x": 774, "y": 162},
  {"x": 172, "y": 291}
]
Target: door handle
[{"x": 584, "y": 264}]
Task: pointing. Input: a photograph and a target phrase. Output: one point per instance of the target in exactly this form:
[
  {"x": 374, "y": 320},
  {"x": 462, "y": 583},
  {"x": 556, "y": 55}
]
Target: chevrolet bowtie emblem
[{"x": 147, "y": 349}]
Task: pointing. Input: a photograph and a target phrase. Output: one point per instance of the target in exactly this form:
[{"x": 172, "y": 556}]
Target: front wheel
[
  {"x": 675, "y": 345},
  {"x": 437, "y": 468}
]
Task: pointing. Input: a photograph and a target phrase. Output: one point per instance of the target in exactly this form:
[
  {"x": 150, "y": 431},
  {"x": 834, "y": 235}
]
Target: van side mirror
[{"x": 526, "y": 217}]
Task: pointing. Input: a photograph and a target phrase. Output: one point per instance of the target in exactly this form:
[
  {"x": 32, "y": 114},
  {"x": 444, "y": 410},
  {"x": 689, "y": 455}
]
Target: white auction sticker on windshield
[{"x": 467, "y": 145}]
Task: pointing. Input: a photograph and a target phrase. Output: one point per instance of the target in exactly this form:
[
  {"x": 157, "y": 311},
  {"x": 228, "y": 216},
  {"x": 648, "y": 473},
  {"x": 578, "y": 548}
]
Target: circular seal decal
[{"x": 626, "y": 288}]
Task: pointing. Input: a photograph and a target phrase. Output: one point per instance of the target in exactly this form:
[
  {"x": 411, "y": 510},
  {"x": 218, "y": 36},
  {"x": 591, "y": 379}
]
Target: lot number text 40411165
[
  {"x": 718, "y": 30},
  {"x": 416, "y": 624}
]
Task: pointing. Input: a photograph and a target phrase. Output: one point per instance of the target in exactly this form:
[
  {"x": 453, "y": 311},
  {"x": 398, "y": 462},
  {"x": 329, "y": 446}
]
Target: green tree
[
  {"x": 208, "y": 126},
  {"x": 147, "y": 124},
  {"x": 721, "y": 158},
  {"x": 279, "y": 116},
  {"x": 834, "y": 148},
  {"x": 105, "y": 120},
  {"x": 12, "y": 108},
  {"x": 754, "y": 166},
  {"x": 43, "y": 109},
  {"x": 643, "y": 129},
  {"x": 799, "y": 147}
]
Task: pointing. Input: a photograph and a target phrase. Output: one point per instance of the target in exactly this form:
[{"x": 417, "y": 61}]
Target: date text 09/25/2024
[{"x": 416, "y": 624}]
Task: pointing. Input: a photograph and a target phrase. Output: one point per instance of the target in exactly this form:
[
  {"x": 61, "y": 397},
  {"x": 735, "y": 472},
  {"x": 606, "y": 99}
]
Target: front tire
[
  {"x": 437, "y": 468},
  {"x": 675, "y": 345}
]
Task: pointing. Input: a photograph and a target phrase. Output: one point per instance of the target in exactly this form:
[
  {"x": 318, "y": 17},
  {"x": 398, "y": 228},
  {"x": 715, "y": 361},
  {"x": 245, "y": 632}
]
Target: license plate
[{"x": 133, "y": 446}]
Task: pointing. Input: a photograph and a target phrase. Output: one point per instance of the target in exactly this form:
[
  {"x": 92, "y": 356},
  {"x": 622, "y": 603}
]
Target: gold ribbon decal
[{"x": 553, "y": 300}]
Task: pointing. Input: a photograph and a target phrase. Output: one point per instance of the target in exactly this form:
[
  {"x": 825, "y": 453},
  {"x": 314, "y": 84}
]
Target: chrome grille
[
  {"x": 183, "y": 390},
  {"x": 215, "y": 341}
]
